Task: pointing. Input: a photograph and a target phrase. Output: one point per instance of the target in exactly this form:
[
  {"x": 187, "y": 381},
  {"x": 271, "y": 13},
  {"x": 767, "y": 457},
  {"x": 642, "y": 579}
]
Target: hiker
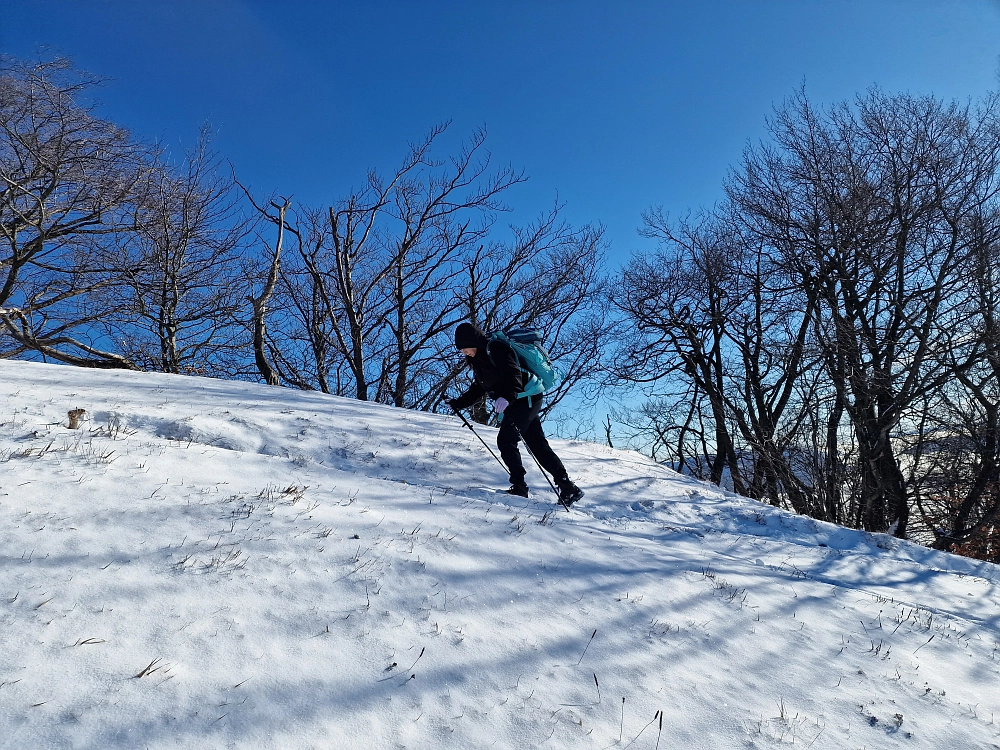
[{"x": 498, "y": 375}]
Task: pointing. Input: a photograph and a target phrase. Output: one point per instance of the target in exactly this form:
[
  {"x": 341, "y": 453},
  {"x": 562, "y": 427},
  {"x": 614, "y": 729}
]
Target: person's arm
[
  {"x": 511, "y": 381},
  {"x": 473, "y": 395}
]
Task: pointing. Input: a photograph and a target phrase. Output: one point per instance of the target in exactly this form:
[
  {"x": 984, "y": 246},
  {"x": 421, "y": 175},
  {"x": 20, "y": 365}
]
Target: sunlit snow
[{"x": 210, "y": 564}]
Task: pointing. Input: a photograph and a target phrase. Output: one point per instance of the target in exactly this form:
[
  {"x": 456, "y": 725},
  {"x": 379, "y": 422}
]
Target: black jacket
[{"x": 497, "y": 375}]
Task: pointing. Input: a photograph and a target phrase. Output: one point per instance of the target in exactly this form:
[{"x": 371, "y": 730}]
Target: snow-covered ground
[{"x": 208, "y": 564}]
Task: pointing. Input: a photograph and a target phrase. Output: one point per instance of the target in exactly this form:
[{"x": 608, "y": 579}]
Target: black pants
[{"x": 521, "y": 421}]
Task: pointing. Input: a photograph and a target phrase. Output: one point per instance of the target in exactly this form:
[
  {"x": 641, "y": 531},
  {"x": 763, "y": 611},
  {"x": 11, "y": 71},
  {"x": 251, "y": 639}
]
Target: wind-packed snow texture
[{"x": 208, "y": 564}]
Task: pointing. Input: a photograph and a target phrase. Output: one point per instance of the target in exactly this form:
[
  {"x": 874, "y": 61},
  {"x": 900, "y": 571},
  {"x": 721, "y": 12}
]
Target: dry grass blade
[{"x": 153, "y": 666}]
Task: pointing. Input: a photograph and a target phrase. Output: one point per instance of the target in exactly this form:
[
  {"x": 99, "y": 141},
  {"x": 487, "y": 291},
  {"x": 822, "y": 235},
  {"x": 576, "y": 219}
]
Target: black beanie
[{"x": 469, "y": 336}]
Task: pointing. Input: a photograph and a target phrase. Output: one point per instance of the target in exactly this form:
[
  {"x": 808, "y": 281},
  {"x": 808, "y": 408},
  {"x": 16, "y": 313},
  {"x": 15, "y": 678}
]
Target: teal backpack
[{"x": 526, "y": 343}]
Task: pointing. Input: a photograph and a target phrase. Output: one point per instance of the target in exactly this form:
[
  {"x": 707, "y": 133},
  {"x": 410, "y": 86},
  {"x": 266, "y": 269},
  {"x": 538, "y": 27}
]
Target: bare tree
[
  {"x": 825, "y": 339},
  {"x": 437, "y": 217},
  {"x": 956, "y": 448},
  {"x": 261, "y": 302},
  {"x": 677, "y": 306},
  {"x": 177, "y": 272},
  {"x": 69, "y": 181},
  {"x": 301, "y": 339},
  {"x": 371, "y": 284},
  {"x": 867, "y": 205}
]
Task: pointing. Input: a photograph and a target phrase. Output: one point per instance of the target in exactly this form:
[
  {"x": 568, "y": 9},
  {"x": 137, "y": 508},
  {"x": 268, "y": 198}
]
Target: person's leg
[
  {"x": 530, "y": 427},
  {"x": 507, "y": 438},
  {"x": 534, "y": 438}
]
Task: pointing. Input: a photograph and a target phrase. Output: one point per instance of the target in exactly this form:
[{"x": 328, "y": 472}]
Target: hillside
[{"x": 213, "y": 564}]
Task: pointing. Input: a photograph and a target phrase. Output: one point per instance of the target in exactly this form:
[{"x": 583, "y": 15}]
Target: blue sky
[{"x": 614, "y": 106}]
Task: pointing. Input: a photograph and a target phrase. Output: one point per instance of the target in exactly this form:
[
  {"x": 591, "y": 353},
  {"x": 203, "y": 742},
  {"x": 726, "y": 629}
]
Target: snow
[{"x": 213, "y": 564}]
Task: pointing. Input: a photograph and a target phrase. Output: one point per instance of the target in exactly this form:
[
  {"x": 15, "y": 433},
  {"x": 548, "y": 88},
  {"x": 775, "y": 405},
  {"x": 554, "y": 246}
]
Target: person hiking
[{"x": 498, "y": 374}]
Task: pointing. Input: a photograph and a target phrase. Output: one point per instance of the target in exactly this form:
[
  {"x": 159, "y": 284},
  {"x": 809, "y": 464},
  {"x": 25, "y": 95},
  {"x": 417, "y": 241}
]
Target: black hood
[{"x": 468, "y": 336}]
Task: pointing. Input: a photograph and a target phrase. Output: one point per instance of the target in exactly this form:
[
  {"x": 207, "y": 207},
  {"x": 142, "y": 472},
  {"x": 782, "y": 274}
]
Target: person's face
[{"x": 469, "y": 351}]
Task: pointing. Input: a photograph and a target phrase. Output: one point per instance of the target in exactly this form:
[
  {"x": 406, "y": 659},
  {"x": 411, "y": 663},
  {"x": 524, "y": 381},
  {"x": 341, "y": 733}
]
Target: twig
[
  {"x": 621, "y": 727},
  {"x": 588, "y": 646},
  {"x": 417, "y": 659},
  {"x": 644, "y": 728},
  {"x": 921, "y": 646}
]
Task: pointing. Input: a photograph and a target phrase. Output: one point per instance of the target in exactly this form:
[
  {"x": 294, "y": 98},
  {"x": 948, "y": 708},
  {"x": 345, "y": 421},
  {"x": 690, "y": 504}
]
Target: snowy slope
[{"x": 211, "y": 564}]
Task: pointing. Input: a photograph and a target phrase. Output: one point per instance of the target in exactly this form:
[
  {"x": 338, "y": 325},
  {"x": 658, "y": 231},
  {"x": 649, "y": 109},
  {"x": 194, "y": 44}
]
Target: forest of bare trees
[
  {"x": 368, "y": 292},
  {"x": 826, "y": 339},
  {"x": 112, "y": 255},
  {"x": 116, "y": 255}
]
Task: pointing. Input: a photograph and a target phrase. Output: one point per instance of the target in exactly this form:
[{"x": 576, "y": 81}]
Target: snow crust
[{"x": 213, "y": 564}]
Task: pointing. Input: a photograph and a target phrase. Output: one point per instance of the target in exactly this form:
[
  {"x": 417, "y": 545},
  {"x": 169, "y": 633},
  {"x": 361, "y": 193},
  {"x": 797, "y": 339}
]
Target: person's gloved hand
[
  {"x": 451, "y": 404},
  {"x": 500, "y": 404}
]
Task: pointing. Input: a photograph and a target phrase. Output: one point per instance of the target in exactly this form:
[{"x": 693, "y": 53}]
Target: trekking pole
[
  {"x": 539, "y": 465},
  {"x": 466, "y": 422}
]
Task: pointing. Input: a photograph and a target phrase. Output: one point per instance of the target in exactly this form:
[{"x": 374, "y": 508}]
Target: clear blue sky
[{"x": 616, "y": 105}]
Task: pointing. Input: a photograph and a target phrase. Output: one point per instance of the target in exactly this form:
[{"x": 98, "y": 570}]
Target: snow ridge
[{"x": 216, "y": 564}]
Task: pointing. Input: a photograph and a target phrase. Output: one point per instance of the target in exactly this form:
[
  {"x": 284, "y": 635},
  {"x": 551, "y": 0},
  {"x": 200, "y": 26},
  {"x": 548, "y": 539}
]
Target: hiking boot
[
  {"x": 569, "y": 493},
  {"x": 518, "y": 488}
]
